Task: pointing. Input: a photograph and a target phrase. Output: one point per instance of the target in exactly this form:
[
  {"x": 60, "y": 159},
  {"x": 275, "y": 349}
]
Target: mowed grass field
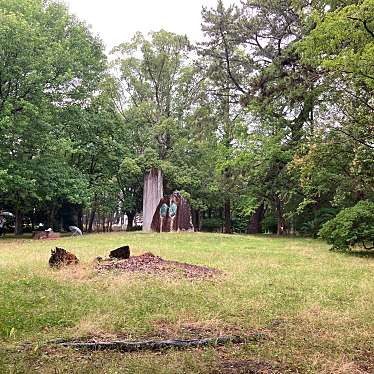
[{"x": 314, "y": 307}]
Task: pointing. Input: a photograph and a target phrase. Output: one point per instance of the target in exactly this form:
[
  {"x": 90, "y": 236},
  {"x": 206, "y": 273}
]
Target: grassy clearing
[{"x": 315, "y": 306}]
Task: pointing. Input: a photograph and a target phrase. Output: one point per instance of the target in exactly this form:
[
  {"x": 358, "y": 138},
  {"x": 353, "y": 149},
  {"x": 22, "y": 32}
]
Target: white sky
[{"x": 116, "y": 21}]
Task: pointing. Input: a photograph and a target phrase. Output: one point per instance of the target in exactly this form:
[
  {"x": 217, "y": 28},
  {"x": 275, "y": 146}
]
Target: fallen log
[{"x": 157, "y": 345}]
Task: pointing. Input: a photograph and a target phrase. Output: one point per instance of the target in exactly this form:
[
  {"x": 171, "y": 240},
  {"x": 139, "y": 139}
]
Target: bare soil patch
[
  {"x": 148, "y": 263},
  {"x": 246, "y": 367}
]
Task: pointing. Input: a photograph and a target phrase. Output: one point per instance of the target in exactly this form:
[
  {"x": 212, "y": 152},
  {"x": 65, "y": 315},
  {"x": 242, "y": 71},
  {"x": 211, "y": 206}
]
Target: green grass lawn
[{"x": 315, "y": 307}]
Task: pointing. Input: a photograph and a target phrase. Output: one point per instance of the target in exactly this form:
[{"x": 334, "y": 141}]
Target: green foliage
[
  {"x": 276, "y": 114},
  {"x": 343, "y": 41},
  {"x": 351, "y": 227},
  {"x": 239, "y": 223},
  {"x": 269, "y": 223},
  {"x": 212, "y": 224},
  {"x": 50, "y": 62},
  {"x": 312, "y": 227}
]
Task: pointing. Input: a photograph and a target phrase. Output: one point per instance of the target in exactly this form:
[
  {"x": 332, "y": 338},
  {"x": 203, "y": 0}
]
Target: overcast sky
[{"x": 117, "y": 20}]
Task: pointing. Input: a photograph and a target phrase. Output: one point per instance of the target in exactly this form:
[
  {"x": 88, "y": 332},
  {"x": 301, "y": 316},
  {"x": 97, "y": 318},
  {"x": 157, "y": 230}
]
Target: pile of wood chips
[{"x": 148, "y": 263}]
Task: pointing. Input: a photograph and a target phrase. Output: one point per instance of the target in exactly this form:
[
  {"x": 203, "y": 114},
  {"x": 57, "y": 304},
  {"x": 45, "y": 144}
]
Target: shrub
[
  {"x": 269, "y": 223},
  {"x": 312, "y": 226},
  {"x": 212, "y": 224},
  {"x": 240, "y": 223},
  {"x": 352, "y": 226}
]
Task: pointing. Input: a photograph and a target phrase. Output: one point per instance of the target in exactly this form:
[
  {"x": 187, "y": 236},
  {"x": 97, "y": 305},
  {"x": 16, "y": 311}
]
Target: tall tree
[
  {"x": 156, "y": 93},
  {"x": 223, "y": 61},
  {"x": 49, "y": 60},
  {"x": 336, "y": 158}
]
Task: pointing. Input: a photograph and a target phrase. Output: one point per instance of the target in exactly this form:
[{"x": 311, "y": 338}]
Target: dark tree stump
[
  {"x": 61, "y": 257},
  {"x": 121, "y": 253}
]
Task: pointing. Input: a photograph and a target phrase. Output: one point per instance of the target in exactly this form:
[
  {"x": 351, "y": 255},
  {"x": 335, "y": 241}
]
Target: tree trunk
[
  {"x": 227, "y": 216},
  {"x": 97, "y": 223},
  {"x": 153, "y": 192},
  {"x": 200, "y": 227},
  {"x": 195, "y": 219},
  {"x": 80, "y": 217},
  {"x": 210, "y": 213},
  {"x": 33, "y": 221},
  {"x": 51, "y": 217},
  {"x": 281, "y": 225},
  {"x": 254, "y": 224},
  {"x": 130, "y": 220},
  {"x": 18, "y": 229},
  {"x": 91, "y": 220}
]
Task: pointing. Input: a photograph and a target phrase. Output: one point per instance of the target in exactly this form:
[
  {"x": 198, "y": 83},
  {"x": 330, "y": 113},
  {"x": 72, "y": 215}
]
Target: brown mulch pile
[{"x": 148, "y": 263}]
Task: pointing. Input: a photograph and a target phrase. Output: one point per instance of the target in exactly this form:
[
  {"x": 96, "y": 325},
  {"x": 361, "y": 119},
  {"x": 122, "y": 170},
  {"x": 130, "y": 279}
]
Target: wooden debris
[
  {"x": 158, "y": 345},
  {"x": 121, "y": 253},
  {"x": 61, "y": 257},
  {"x": 148, "y": 263}
]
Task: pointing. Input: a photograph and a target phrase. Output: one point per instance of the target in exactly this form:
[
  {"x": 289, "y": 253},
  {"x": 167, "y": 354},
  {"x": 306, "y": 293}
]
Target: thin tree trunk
[
  {"x": 281, "y": 225},
  {"x": 200, "y": 220},
  {"x": 51, "y": 217},
  {"x": 98, "y": 220},
  {"x": 195, "y": 219},
  {"x": 227, "y": 216},
  {"x": 80, "y": 217},
  {"x": 33, "y": 221},
  {"x": 91, "y": 220}
]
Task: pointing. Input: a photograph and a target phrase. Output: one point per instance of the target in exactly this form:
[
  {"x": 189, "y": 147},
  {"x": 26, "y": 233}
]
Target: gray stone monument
[{"x": 153, "y": 192}]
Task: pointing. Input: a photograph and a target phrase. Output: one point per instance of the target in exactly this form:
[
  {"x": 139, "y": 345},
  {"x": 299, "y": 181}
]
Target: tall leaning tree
[
  {"x": 155, "y": 94},
  {"x": 224, "y": 63},
  {"x": 48, "y": 60},
  {"x": 282, "y": 96}
]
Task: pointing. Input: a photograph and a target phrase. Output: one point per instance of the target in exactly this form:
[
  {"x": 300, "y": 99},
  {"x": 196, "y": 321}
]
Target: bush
[
  {"x": 312, "y": 226},
  {"x": 212, "y": 224},
  {"x": 240, "y": 223},
  {"x": 269, "y": 223},
  {"x": 352, "y": 226}
]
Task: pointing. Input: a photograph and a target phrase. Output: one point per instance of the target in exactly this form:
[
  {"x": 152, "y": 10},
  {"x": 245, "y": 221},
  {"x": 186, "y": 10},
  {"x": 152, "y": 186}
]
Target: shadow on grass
[
  {"x": 362, "y": 253},
  {"x": 28, "y": 236}
]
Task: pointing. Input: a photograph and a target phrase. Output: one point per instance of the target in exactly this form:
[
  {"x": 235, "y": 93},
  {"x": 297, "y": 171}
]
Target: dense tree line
[{"x": 266, "y": 125}]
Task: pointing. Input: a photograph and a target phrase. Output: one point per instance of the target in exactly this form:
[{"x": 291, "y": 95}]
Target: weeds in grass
[{"x": 324, "y": 301}]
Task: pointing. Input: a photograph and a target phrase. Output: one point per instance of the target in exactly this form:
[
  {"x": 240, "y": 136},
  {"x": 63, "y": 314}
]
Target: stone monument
[
  {"x": 153, "y": 192},
  {"x": 173, "y": 213}
]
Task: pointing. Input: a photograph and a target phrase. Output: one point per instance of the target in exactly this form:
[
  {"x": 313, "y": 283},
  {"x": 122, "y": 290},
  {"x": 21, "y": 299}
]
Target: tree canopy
[{"x": 265, "y": 125}]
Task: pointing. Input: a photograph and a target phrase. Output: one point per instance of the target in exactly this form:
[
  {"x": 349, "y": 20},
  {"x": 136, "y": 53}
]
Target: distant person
[{"x": 75, "y": 230}]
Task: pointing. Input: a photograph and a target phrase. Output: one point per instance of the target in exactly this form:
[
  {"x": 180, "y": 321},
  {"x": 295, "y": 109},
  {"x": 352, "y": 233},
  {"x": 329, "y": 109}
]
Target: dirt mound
[{"x": 148, "y": 263}]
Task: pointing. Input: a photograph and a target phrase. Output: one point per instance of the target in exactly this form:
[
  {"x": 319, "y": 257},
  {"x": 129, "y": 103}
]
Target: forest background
[{"x": 266, "y": 125}]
